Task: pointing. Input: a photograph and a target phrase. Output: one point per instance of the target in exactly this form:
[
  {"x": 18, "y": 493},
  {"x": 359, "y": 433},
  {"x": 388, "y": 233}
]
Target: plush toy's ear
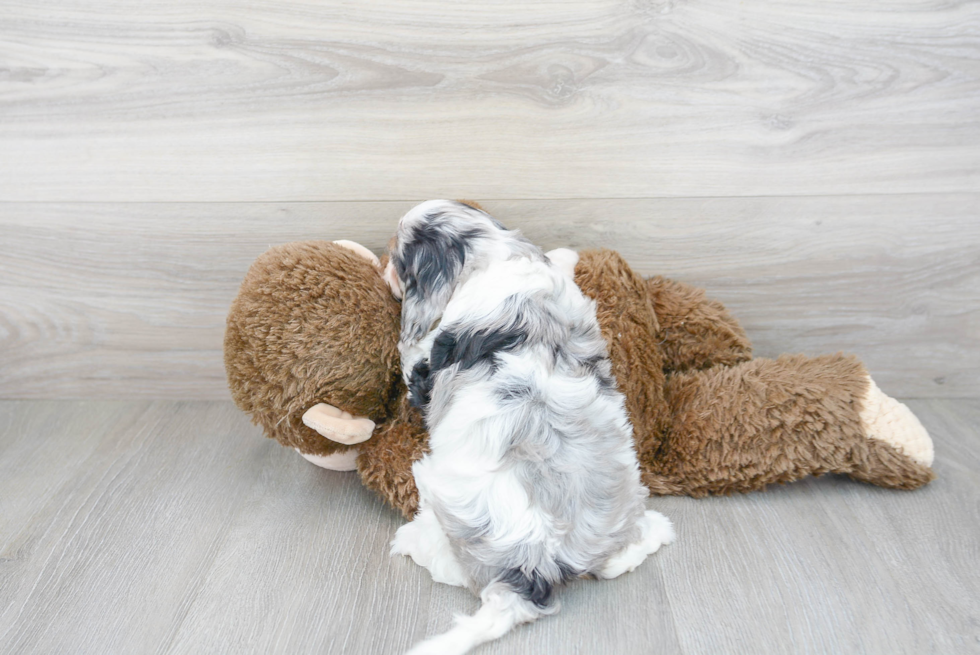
[
  {"x": 473, "y": 204},
  {"x": 338, "y": 425},
  {"x": 353, "y": 246}
]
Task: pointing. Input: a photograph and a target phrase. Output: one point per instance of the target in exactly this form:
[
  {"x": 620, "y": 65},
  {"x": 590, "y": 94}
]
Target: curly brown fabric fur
[
  {"x": 695, "y": 332},
  {"x": 629, "y": 325},
  {"x": 288, "y": 347},
  {"x": 385, "y": 462},
  {"x": 790, "y": 417}
]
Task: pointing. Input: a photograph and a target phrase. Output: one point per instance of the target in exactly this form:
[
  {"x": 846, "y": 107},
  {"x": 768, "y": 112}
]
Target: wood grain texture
[
  {"x": 129, "y": 300},
  {"x": 174, "y": 527},
  {"x": 216, "y": 100}
]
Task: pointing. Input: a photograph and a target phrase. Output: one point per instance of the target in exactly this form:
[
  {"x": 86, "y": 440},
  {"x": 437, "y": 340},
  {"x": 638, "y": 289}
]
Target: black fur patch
[
  {"x": 471, "y": 347},
  {"x": 420, "y": 385},
  {"x": 533, "y": 587}
]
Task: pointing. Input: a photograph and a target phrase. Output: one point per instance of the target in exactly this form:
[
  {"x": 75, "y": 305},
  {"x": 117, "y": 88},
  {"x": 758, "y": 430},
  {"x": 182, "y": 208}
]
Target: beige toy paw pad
[{"x": 890, "y": 421}]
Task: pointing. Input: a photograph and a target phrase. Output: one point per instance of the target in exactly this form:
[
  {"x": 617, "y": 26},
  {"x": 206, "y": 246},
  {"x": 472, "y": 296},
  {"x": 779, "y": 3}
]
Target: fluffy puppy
[{"x": 532, "y": 478}]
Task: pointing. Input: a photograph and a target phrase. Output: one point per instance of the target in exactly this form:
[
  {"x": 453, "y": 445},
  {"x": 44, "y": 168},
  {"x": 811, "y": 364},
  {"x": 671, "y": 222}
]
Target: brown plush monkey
[{"x": 311, "y": 354}]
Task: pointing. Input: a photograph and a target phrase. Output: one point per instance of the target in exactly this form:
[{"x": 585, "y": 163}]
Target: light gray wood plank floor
[{"x": 175, "y": 527}]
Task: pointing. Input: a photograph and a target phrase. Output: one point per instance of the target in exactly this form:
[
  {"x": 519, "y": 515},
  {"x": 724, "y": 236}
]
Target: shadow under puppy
[{"x": 532, "y": 478}]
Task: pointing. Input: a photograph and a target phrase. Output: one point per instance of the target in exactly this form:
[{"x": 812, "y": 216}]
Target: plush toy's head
[{"x": 314, "y": 322}]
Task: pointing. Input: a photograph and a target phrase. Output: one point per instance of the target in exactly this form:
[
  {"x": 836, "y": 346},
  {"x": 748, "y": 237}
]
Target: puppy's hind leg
[
  {"x": 655, "y": 531},
  {"x": 425, "y": 542}
]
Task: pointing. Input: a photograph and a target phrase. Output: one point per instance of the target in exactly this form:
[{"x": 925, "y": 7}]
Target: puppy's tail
[{"x": 504, "y": 606}]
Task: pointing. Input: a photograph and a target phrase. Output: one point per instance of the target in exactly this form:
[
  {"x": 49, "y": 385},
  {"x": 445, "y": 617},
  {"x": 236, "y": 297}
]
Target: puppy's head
[{"x": 436, "y": 244}]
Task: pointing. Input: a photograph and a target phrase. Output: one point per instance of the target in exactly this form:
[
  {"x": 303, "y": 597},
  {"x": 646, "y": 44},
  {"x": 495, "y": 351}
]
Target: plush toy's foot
[
  {"x": 890, "y": 421},
  {"x": 338, "y": 425},
  {"x": 655, "y": 531},
  {"x": 342, "y": 461}
]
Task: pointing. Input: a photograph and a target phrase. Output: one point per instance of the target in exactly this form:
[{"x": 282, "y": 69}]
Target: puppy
[{"x": 532, "y": 477}]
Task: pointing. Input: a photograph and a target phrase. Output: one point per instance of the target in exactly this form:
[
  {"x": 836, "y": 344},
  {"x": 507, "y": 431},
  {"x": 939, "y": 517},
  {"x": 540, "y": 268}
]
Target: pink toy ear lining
[
  {"x": 391, "y": 278},
  {"x": 355, "y": 247},
  {"x": 338, "y": 425},
  {"x": 388, "y": 274}
]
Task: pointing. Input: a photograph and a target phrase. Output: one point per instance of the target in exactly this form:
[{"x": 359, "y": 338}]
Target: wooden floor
[{"x": 175, "y": 527}]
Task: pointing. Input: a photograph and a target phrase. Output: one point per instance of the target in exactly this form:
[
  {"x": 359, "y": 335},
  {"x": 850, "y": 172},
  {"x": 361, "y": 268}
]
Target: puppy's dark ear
[
  {"x": 429, "y": 262},
  {"x": 433, "y": 259}
]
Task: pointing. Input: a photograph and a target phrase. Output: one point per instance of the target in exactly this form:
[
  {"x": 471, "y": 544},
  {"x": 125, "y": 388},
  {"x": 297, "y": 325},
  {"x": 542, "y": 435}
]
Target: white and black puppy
[{"x": 532, "y": 478}]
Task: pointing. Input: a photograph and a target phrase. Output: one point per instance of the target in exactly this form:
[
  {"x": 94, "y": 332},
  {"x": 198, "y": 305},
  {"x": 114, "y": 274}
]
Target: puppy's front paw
[{"x": 406, "y": 540}]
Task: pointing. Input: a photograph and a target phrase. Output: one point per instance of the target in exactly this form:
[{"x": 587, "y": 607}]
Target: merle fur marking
[
  {"x": 420, "y": 385},
  {"x": 436, "y": 257}
]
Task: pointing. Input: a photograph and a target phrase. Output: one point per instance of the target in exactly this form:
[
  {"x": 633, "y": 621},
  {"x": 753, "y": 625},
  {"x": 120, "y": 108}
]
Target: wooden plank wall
[{"x": 815, "y": 165}]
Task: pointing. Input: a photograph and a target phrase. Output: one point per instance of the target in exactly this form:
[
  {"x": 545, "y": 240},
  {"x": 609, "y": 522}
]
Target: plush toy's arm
[
  {"x": 743, "y": 427},
  {"x": 695, "y": 332},
  {"x": 385, "y": 462}
]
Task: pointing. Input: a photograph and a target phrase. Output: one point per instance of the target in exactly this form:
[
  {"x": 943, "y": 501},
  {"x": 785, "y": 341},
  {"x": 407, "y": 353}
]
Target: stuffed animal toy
[{"x": 311, "y": 354}]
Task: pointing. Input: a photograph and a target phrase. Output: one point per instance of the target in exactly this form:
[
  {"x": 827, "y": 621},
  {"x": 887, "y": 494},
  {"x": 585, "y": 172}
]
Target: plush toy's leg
[
  {"x": 655, "y": 531},
  {"x": 695, "y": 332},
  {"x": 425, "y": 542},
  {"x": 765, "y": 421}
]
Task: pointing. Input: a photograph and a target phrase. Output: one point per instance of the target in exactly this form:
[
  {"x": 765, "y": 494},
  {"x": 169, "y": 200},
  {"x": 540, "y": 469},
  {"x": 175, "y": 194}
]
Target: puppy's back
[{"x": 532, "y": 471}]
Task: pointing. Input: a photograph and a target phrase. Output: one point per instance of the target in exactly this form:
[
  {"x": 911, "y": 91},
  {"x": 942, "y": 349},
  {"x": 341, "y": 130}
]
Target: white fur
[
  {"x": 425, "y": 542},
  {"x": 564, "y": 259},
  {"x": 656, "y": 531},
  {"x": 500, "y": 611}
]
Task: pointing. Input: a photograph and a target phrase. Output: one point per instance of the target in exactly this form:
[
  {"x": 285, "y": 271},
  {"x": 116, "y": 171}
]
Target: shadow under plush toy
[{"x": 311, "y": 354}]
